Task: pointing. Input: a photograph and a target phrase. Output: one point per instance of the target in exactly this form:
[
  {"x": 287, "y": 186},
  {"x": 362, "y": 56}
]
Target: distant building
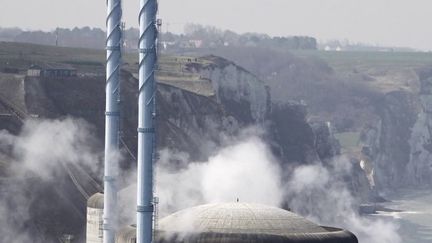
[
  {"x": 332, "y": 48},
  {"x": 51, "y": 70},
  {"x": 167, "y": 44},
  {"x": 196, "y": 43}
]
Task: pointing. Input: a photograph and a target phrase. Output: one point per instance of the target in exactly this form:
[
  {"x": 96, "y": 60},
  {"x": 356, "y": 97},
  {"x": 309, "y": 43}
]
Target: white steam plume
[
  {"x": 37, "y": 158},
  {"x": 321, "y": 195},
  {"x": 246, "y": 169}
]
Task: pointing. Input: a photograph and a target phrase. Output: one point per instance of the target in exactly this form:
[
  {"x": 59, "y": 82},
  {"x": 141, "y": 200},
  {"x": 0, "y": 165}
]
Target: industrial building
[
  {"x": 51, "y": 70},
  {"x": 244, "y": 222},
  {"x": 94, "y": 228},
  {"x": 224, "y": 222}
]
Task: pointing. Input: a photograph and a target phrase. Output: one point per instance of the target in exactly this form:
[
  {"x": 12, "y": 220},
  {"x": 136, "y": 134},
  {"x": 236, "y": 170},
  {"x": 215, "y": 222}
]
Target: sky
[{"x": 382, "y": 22}]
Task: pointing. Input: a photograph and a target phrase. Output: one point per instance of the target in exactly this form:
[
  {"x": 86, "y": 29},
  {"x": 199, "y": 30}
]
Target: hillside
[
  {"x": 378, "y": 103},
  {"x": 201, "y": 101},
  {"x": 313, "y": 106},
  {"x": 398, "y": 142}
]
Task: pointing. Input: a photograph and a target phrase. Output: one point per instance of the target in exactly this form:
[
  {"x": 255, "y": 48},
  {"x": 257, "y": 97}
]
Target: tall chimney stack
[
  {"x": 112, "y": 118},
  {"x": 146, "y": 118}
]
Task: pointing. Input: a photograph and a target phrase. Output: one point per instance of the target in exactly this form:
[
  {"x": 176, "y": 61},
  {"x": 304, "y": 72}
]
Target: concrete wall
[
  {"x": 33, "y": 72},
  {"x": 94, "y": 225}
]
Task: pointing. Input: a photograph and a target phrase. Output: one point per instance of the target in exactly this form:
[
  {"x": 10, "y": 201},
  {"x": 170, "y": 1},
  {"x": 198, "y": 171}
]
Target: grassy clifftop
[
  {"x": 345, "y": 60},
  {"x": 172, "y": 70},
  {"x": 383, "y": 71}
]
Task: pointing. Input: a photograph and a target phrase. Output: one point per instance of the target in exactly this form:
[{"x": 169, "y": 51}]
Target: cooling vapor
[{"x": 245, "y": 169}]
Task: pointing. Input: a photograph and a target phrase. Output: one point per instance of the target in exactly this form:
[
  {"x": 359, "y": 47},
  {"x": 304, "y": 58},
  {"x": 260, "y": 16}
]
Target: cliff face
[
  {"x": 293, "y": 136},
  {"x": 419, "y": 168},
  {"x": 400, "y": 143},
  {"x": 237, "y": 99},
  {"x": 398, "y": 115},
  {"x": 237, "y": 90},
  {"x": 187, "y": 121}
]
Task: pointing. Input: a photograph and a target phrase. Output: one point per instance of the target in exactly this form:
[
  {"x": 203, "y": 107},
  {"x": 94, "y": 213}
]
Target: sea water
[{"x": 415, "y": 219}]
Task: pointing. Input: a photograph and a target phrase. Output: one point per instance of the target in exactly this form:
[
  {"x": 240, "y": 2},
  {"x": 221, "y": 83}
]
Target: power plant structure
[
  {"x": 94, "y": 228},
  {"x": 223, "y": 222},
  {"x": 112, "y": 117},
  {"x": 235, "y": 223},
  {"x": 146, "y": 117}
]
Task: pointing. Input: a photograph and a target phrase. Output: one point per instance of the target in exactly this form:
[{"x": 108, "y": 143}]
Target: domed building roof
[
  {"x": 237, "y": 218},
  {"x": 239, "y": 223},
  {"x": 243, "y": 222},
  {"x": 96, "y": 201}
]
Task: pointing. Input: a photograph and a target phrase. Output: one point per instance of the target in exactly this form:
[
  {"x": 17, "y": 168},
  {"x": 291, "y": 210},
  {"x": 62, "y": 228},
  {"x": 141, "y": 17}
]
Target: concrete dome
[
  {"x": 96, "y": 201},
  {"x": 242, "y": 222}
]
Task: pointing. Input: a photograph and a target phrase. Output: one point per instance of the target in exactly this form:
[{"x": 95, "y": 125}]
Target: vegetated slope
[{"x": 199, "y": 101}]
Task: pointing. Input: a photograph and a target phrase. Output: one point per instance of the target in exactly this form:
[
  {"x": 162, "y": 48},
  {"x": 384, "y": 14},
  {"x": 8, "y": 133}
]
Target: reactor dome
[
  {"x": 96, "y": 201},
  {"x": 242, "y": 222}
]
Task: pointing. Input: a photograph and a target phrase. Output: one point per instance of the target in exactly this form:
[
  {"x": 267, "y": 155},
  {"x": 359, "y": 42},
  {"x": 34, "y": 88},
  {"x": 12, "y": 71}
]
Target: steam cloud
[
  {"x": 320, "y": 194},
  {"x": 247, "y": 170},
  {"x": 36, "y": 159},
  {"x": 243, "y": 169}
]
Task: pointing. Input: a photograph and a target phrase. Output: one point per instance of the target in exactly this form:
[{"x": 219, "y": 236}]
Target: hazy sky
[{"x": 385, "y": 22}]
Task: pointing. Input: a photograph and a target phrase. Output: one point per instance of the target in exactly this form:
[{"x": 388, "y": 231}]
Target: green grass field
[
  {"x": 382, "y": 71},
  {"x": 22, "y": 55},
  {"x": 172, "y": 70},
  {"x": 346, "y": 60},
  {"x": 387, "y": 71},
  {"x": 349, "y": 141}
]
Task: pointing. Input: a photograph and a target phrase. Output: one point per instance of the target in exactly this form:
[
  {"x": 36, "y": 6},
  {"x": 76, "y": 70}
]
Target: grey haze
[{"x": 384, "y": 22}]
